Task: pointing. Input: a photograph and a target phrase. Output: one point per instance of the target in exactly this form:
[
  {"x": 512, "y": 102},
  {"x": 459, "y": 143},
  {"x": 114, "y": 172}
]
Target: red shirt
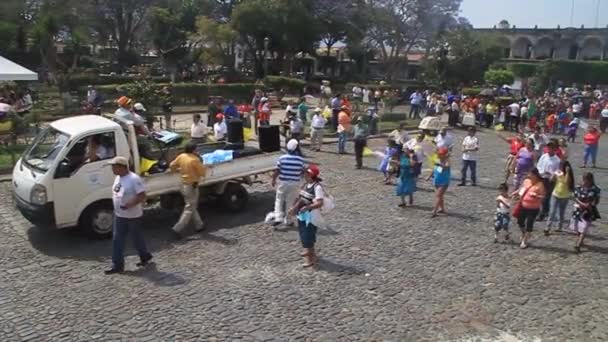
[
  {"x": 516, "y": 145},
  {"x": 591, "y": 138}
]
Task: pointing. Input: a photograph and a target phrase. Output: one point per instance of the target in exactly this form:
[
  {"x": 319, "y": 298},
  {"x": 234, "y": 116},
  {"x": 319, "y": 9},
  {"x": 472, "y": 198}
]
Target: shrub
[
  {"x": 290, "y": 85},
  {"x": 523, "y": 70},
  {"x": 499, "y": 77},
  {"x": 75, "y": 81},
  {"x": 471, "y": 91}
]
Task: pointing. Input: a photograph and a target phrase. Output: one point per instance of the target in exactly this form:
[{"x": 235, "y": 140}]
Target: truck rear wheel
[
  {"x": 234, "y": 198},
  {"x": 97, "y": 220}
]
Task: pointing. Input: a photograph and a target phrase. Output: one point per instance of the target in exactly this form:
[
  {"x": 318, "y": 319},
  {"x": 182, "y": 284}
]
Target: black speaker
[
  {"x": 235, "y": 133},
  {"x": 269, "y": 138}
]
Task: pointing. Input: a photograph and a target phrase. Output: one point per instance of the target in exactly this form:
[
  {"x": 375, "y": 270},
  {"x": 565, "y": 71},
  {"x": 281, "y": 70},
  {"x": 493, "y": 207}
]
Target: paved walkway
[{"x": 386, "y": 274}]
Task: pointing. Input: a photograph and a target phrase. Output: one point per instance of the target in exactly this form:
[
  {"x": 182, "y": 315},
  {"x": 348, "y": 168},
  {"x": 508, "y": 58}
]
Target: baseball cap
[
  {"x": 313, "y": 171},
  {"x": 139, "y": 106},
  {"x": 119, "y": 161},
  {"x": 292, "y": 145},
  {"x": 219, "y": 116},
  {"x": 443, "y": 151},
  {"x": 318, "y": 110}
]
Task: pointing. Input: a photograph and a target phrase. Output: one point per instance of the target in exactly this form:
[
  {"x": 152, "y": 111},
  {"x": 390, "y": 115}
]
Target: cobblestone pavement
[{"x": 386, "y": 274}]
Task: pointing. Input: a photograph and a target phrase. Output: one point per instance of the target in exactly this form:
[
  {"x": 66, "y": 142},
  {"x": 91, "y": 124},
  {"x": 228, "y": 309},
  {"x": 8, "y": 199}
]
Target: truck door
[{"x": 83, "y": 177}]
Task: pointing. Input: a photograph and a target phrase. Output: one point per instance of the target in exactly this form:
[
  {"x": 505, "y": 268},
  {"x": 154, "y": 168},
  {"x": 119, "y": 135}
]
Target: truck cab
[{"x": 55, "y": 180}]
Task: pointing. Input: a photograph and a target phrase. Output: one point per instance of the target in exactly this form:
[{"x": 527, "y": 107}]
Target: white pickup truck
[{"x": 54, "y": 185}]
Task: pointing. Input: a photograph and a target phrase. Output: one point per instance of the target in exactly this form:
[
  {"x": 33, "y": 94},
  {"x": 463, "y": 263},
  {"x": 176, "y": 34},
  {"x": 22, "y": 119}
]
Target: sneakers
[
  {"x": 144, "y": 261},
  {"x": 462, "y": 184},
  {"x": 113, "y": 271},
  {"x": 523, "y": 245}
]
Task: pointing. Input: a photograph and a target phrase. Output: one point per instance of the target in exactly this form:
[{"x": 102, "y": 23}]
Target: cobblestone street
[{"x": 386, "y": 274}]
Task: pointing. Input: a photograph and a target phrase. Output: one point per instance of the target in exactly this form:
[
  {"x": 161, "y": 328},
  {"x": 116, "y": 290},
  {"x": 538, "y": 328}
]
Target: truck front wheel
[
  {"x": 97, "y": 220},
  {"x": 235, "y": 197}
]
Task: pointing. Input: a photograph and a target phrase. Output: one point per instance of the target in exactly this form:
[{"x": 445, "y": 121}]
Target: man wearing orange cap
[
  {"x": 125, "y": 112},
  {"x": 219, "y": 128}
]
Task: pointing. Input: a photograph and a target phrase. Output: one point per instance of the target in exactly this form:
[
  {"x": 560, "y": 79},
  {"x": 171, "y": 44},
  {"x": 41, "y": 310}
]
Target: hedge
[
  {"x": 190, "y": 93},
  {"x": 523, "y": 70},
  {"x": 76, "y": 81},
  {"x": 471, "y": 91},
  {"x": 290, "y": 85},
  {"x": 576, "y": 71}
]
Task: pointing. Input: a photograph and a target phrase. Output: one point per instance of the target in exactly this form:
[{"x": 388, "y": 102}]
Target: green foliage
[
  {"x": 77, "y": 81},
  {"x": 217, "y": 40},
  {"x": 471, "y": 91},
  {"x": 183, "y": 93},
  {"x": 288, "y": 84},
  {"x": 523, "y": 70},
  {"x": 499, "y": 77},
  {"x": 470, "y": 55}
]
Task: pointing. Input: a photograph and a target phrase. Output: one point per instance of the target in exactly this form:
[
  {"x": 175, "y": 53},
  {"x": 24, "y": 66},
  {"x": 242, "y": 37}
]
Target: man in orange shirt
[
  {"x": 191, "y": 169},
  {"x": 592, "y": 143},
  {"x": 344, "y": 127}
]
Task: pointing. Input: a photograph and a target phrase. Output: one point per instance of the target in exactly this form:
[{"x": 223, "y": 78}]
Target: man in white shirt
[
  {"x": 128, "y": 196},
  {"x": 514, "y": 117},
  {"x": 317, "y": 129},
  {"x": 540, "y": 140},
  {"x": 415, "y": 100},
  {"x": 444, "y": 139},
  {"x": 356, "y": 93},
  {"x": 470, "y": 154},
  {"x": 198, "y": 130},
  {"x": 548, "y": 166},
  {"x": 219, "y": 128},
  {"x": 604, "y": 119},
  {"x": 577, "y": 109},
  {"x": 400, "y": 136},
  {"x": 365, "y": 93}
]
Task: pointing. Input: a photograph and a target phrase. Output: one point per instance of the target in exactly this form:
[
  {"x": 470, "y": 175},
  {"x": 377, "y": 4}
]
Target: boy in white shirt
[
  {"x": 470, "y": 151},
  {"x": 219, "y": 128}
]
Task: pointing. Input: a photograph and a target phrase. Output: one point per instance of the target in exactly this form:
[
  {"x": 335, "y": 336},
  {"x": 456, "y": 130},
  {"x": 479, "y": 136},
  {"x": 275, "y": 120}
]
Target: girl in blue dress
[
  {"x": 386, "y": 166},
  {"x": 441, "y": 179},
  {"x": 406, "y": 184}
]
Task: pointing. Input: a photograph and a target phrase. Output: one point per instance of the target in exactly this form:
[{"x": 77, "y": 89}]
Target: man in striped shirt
[{"x": 289, "y": 173}]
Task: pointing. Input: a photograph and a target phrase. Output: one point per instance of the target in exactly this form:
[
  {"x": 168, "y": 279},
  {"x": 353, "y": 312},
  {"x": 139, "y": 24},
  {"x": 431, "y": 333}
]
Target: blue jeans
[
  {"x": 469, "y": 164},
  {"x": 558, "y": 207},
  {"x": 308, "y": 234},
  {"x": 342, "y": 139},
  {"x": 122, "y": 226},
  {"x": 590, "y": 151}
]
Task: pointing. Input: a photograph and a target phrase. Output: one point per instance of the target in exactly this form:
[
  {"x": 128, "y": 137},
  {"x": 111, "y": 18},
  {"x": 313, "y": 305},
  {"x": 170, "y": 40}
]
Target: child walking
[
  {"x": 390, "y": 153},
  {"x": 502, "y": 218}
]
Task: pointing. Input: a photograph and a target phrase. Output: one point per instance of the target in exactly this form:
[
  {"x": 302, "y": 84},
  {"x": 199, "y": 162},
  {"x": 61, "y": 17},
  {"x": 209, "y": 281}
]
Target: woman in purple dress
[{"x": 524, "y": 162}]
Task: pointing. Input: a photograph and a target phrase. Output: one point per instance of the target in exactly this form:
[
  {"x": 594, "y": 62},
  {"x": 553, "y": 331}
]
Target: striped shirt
[{"x": 291, "y": 168}]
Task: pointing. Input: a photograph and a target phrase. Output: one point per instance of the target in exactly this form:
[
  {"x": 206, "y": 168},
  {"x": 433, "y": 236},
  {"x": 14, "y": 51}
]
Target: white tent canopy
[{"x": 10, "y": 71}]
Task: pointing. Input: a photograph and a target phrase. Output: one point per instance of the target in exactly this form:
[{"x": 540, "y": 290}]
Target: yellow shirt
[
  {"x": 491, "y": 109},
  {"x": 561, "y": 187},
  {"x": 190, "y": 166}
]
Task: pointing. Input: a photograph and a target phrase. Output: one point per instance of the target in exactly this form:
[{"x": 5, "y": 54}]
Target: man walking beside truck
[
  {"x": 128, "y": 195},
  {"x": 191, "y": 168}
]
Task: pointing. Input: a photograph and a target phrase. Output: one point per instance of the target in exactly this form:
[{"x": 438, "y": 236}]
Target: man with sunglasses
[{"x": 128, "y": 195}]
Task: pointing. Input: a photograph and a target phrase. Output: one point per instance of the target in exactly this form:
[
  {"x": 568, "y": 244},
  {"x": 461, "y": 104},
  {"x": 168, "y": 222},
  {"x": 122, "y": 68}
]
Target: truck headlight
[{"x": 38, "y": 195}]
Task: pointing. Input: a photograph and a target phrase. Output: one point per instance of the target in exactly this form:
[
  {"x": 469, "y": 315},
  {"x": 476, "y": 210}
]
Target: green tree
[
  {"x": 216, "y": 41},
  {"x": 499, "y": 77},
  {"x": 289, "y": 25},
  {"x": 462, "y": 57}
]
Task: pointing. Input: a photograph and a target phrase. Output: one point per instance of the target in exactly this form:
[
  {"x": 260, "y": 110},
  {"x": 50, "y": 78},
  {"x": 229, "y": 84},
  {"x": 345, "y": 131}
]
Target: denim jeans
[
  {"x": 122, "y": 226},
  {"x": 590, "y": 152},
  {"x": 558, "y": 206},
  {"x": 308, "y": 234},
  {"x": 469, "y": 164},
  {"x": 342, "y": 139},
  {"x": 549, "y": 185}
]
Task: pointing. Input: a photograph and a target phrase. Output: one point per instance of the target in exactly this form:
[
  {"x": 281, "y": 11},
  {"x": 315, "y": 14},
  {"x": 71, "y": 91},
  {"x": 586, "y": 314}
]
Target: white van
[{"x": 54, "y": 185}]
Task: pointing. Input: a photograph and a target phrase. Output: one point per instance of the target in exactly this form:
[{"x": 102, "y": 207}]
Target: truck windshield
[{"x": 45, "y": 149}]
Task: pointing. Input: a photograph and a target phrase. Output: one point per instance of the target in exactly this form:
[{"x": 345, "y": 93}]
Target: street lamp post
[{"x": 266, "y": 42}]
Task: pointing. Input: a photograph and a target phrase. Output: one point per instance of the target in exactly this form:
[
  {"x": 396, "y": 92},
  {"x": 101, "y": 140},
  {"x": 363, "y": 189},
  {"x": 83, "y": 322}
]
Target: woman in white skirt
[{"x": 586, "y": 199}]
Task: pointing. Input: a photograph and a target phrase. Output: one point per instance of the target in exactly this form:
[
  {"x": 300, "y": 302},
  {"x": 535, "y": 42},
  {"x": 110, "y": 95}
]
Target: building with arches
[{"x": 551, "y": 43}]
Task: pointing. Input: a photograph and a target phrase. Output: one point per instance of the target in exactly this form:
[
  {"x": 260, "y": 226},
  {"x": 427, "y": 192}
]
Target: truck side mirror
[{"x": 64, "y": 169}]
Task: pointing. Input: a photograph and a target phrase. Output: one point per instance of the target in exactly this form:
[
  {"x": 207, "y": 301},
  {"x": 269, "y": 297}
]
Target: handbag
[{"x": 517, "y": 208}]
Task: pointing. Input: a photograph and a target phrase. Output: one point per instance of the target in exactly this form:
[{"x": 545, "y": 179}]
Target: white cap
[
  {"x": 139, "y": 106},
  {"x": 264, "y": 99},
  {"x": 292, "y": 145},
  {"x": 119, "y": 161},
  {"x": 318, "y": 110}
]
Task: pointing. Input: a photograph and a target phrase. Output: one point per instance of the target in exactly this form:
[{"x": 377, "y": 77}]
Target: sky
[{"x": 527, "y": 13}]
